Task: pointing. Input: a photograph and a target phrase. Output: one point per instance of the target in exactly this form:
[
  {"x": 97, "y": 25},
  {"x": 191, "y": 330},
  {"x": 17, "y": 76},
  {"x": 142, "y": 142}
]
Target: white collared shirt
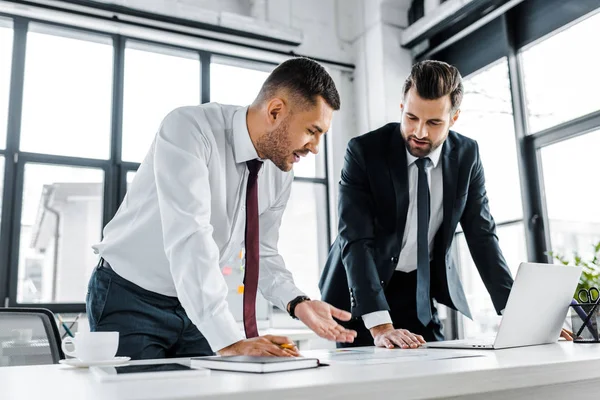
[
  {"x": 184, "y": 216},
  {"x": 407, "y": 260}
]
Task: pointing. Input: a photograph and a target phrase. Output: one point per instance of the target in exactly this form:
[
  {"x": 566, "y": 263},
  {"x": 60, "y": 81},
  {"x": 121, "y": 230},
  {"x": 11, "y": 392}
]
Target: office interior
[{"x": 85, "y": 84}]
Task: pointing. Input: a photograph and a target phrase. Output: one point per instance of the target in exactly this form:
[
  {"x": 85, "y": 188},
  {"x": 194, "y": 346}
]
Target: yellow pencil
[{"x": 290, "y": 346}]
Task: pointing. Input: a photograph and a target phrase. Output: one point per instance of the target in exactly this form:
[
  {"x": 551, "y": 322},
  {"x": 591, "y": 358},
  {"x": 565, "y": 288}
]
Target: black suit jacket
[{"x": 373, "y": 207}]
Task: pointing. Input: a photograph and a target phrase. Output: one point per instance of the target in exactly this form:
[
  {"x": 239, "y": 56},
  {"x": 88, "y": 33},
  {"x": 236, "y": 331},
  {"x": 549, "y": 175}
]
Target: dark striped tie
[
  {"x": 252, "y": 250},
  {"x": 423, "y": 274}
]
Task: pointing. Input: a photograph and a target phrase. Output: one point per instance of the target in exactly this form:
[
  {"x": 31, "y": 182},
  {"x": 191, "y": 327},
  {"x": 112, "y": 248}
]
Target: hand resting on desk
[
  {"x": 267, "y": 345},
  {"x": 386, "y": 336}
]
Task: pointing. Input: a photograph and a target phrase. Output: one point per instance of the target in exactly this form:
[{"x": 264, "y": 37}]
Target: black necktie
[
  {"x": 252, "y": 250},
  {"x": 423, "y": 275}
]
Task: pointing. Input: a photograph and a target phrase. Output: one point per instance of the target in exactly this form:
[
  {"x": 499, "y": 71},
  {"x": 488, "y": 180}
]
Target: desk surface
[{"x": 521, "y": 372}]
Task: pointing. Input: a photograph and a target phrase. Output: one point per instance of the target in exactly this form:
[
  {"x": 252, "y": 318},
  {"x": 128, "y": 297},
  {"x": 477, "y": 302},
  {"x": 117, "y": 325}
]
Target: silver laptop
[{"x": 536, "y": 309}]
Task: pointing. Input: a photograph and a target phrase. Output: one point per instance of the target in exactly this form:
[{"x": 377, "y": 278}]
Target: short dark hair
[
  {"x": 435, "y": 79},
  {"x": 304, "y": 79}
]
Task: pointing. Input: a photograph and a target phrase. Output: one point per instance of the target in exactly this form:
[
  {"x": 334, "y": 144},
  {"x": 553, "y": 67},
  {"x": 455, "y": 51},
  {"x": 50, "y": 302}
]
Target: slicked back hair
[
  {"x": 435, "y": 79},
  {"x": 304, "y": 80}
]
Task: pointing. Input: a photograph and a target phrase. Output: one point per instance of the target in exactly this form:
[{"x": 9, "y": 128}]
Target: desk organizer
[{"x": 584, "y": 317}]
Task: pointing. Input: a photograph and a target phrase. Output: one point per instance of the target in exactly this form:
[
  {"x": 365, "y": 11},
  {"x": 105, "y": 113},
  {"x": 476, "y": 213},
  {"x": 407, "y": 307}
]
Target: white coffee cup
[{"x": 92, "y": 346}]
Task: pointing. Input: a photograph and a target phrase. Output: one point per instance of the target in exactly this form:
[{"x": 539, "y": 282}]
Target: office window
[
  {"x": 572, "y": 193},
  {"x": 61, "y": 219},
  {"x": 1, "y": 183},
  {"x": 233, "y": 84},
  {"x": 486, "y": 116},
  {"x": 67, "y": 93},
  {"x": 303, "y": 237},
  {"x": 485, "y": 319},
  {"x": 129, "y": 178},
  {"x": 561, "y": 75},
  {"x": 157, "y": 80},
  {"x": 6, "y": 40}
]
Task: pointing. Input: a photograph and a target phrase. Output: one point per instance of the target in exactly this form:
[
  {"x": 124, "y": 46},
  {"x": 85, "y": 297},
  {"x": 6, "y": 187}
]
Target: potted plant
[{"x": 590, "y": 275}]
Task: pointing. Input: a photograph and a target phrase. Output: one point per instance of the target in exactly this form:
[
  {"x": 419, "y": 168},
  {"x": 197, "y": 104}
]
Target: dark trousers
[
  {"x": 150, "y": 325},
  {"x": 401, "y": 295}
]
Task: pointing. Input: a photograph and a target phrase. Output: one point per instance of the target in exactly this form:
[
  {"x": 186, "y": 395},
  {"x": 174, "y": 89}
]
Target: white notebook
[{"x": 253, "y": 363}]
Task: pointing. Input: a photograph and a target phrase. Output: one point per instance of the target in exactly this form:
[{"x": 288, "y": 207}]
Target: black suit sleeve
[
  {"x": 356, "y": 234},
  {"x": 480, "y": 231}
]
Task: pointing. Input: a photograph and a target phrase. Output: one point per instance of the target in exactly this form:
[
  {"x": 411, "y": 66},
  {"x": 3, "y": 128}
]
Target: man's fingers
[
  {"x": 343, "y": 338},
  {"x": 275, "y": 350},
  {"x": 397, "y": 339},
  {"x": 325, "y": 334},
  {"x": 411, "y": 339},
  {"x": 278, "y": 339},
  {"x": 340, "y": 314},
  {"x": 292, "y": 353},
  {"x": 387, "y": 343},
  {"x": 568, "y": 335}
]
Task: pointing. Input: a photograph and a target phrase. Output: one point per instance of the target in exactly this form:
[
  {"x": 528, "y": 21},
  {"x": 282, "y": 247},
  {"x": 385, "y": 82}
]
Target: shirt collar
[
  {"x": 434, "y": 156},
  {"x": 243, "y": 149}
]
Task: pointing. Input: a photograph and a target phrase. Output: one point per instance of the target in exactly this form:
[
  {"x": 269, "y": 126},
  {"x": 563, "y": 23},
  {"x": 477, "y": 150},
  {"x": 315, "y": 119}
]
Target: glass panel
[
  {"x": 61, "y": 219},
  {"x": 486, "y": 116},
  {"x": 68, "y": 94},
  {"x": 1, "y": 183},
  {"x": 157, "y": 80},
  {"x": 6, "y": 41},
  {"x": 235, "y": 85},
  {"x": 312, "y": 166},
  {"x": 238, "y": 85},
  {"x": 129, "y": 177},
  {"x": 572, "y": 193},
  {"x": 485, "y": 320},
  {"x": 303, "y": 239},
  {"x": 555, "y": 91}
]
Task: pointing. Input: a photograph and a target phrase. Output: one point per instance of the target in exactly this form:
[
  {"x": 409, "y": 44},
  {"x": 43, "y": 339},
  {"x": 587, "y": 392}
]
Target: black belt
[{"x": 104, "y": 264}]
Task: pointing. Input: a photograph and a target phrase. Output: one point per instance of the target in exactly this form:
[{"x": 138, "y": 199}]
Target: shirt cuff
[
  {"x": 221, "y": 330},
  {"x": 376, "y": 318},
  {"x": 284, "y": 293}
]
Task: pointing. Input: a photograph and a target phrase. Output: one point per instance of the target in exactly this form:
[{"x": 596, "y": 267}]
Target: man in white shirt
[{"x": 215, "y": 180}]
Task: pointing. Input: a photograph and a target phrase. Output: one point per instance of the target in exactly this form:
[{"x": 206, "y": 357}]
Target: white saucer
[{"x": 74, "y": 362}]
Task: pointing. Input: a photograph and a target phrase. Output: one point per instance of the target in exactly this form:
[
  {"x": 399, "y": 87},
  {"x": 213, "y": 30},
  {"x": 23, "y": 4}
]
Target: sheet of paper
[{"x": 374, "y": 355}]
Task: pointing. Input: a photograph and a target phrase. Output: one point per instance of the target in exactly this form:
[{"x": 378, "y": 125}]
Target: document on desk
[{"x": 377, "y": 355}]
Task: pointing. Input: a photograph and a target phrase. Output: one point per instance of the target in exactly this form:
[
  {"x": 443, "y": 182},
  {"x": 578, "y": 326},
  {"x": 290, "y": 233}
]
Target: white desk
[{"x": 557, "y": 371}]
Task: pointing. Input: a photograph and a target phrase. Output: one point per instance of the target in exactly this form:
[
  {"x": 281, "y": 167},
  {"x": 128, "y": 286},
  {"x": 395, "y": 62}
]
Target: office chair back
[{"x": 29, "y": 336}]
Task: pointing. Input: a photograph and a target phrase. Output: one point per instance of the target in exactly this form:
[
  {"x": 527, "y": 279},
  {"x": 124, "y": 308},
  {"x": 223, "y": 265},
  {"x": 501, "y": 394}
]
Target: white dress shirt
[
  {"x": 184, "y": 216},
  {"x": 407, "y": 260}
]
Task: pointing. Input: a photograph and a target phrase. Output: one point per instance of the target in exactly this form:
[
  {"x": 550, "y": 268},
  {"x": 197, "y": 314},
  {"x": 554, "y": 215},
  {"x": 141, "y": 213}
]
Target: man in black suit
[{"x": 403, "y": 190}]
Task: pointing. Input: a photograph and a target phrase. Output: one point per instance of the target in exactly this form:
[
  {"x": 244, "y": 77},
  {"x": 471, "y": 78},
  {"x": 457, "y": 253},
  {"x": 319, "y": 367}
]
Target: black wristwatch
[{"x": 294, "y": 303}]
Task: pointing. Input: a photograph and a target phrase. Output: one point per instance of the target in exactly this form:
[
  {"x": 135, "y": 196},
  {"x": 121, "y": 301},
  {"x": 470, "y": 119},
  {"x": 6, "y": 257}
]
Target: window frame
[
  {"x": 115, "y": 169},
  {"x": 506, "y": 36}
]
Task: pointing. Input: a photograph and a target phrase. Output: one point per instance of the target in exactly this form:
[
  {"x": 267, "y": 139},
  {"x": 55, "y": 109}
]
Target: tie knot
[
  {"x": 422, "y": 163},
  {"x": 254, "y": 166}
]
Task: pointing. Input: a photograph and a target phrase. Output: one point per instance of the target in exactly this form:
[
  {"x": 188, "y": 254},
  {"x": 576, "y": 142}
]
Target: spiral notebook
[{"x": 254, "y": 363}]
